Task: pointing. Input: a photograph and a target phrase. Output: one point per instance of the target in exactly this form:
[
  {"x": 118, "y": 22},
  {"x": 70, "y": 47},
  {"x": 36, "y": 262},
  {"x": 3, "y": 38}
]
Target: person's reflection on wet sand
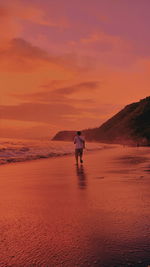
[{"x": 82, "y": 179}]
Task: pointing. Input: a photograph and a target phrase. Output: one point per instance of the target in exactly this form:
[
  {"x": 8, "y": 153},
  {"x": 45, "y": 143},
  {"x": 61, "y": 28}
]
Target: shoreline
[
  {"x": 50, "y": 155},
  {"x": 54, "y": 213}
]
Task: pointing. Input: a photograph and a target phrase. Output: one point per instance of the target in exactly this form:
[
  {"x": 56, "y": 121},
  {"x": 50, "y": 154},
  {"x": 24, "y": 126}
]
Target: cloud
[
  {"x": 39, "y": 16},
  {"x": 26, "y": 129},
  {"x": 20, "y": 55},
  {"x": 9, "y": 25},
  {"x": 56, "y": 76},
  {"x": 62, "y": 94},
  {"x": 18, "y": 17},
  {"x": 22, "y": 48},
  {"x": 84, "y": 86},
  {"x": 31, "y": 13},
  {"x": 38, "y": 112},
  {"x": 53, "y": 84},
  {"x": 105, "y": 49},
  {"x": 106, "y": 41},
  {"x": 64, "y": 116}
]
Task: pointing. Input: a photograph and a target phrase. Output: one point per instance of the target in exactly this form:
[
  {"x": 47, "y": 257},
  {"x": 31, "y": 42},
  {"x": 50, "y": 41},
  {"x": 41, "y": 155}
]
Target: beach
[{"x": 54, "y": 213}]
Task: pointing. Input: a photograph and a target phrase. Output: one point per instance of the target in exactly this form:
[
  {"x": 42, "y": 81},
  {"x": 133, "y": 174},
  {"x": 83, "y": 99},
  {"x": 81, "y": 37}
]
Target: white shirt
[{"x": 79, "y": 142}]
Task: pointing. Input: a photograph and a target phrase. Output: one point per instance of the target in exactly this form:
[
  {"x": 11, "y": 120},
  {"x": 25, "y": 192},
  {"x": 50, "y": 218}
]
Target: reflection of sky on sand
[
  {"x": 49, "y": 217},
  {"x": 82, "y": 178},
  {"x": 132, "y": 164}
]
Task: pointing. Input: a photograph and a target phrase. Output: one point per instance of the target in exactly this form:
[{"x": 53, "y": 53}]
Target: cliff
[{"x": 130, "y": 125}]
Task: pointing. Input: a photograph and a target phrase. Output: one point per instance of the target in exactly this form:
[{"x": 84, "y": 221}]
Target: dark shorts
[{"x": 79, "y": 151}]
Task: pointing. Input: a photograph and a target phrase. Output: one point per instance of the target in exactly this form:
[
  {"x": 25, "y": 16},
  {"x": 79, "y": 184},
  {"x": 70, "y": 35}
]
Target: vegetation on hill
[{"x": 129, "y": 126}]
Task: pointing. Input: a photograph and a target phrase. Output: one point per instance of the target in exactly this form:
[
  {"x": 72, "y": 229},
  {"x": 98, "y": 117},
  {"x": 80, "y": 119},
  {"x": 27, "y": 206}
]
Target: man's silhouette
[{"x": 79, "y": 146}]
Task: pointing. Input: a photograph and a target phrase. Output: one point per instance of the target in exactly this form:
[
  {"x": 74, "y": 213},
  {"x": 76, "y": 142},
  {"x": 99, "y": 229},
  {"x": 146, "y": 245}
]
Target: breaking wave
[{"x": 14, "y": 150}]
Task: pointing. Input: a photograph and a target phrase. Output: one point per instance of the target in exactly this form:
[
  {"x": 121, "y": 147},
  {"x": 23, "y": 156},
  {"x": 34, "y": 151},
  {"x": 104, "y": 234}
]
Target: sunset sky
[{"x": 70, "y": 64}]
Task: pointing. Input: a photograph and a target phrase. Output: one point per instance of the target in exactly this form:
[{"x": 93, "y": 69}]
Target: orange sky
[{"x": 70, "y": 64}]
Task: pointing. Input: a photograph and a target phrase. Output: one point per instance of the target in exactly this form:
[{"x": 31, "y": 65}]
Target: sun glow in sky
[{"x": 70, "y": 64}]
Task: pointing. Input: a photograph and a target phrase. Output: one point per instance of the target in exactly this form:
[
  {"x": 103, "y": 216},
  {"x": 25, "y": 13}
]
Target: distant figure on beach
[{"x": 79, "y": 146}]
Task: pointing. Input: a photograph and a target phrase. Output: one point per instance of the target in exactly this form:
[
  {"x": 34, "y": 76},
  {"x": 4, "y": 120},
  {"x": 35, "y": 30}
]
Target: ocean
[{"x": 17, "y": 150}]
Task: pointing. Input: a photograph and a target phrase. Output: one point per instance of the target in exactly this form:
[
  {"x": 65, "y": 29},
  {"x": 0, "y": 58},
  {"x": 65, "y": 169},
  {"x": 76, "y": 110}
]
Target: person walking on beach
[{"x": 79, "y": 146}]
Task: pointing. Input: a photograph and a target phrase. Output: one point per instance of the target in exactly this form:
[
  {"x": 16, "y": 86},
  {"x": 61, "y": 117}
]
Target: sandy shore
[{"x": 56, "y": 214}]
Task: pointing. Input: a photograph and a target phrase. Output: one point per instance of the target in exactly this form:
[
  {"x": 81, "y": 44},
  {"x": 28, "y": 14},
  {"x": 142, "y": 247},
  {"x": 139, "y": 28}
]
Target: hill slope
[{"x": 130, "y": 125}]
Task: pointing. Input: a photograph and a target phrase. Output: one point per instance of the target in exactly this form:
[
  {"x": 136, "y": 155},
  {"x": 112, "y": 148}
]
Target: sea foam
[{"x": 16, "y": 150}]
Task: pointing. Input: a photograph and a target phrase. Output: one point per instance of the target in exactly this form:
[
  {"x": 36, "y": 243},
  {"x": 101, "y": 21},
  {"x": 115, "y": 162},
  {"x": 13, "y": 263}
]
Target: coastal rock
[{"x": 129, "y": 126}]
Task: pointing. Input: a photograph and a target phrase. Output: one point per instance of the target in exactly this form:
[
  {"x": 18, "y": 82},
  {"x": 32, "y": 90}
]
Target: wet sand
[{"x": 56, "y": 214}]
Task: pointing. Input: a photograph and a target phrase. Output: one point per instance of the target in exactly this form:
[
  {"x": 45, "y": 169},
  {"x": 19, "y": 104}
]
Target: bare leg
[
  {"x": 76, "y": 157},
  {"x": 81, "y": 160}
]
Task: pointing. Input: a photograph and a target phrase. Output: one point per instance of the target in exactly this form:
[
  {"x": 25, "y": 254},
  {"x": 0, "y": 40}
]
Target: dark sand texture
[{"x": 53, "y": 213}]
